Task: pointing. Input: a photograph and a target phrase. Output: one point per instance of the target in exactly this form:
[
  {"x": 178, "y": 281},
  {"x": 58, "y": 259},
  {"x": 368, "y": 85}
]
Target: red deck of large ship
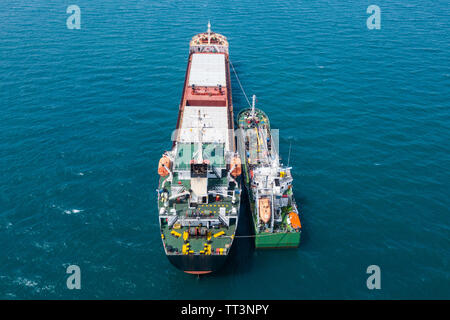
[{"x": 203, "y": 47}]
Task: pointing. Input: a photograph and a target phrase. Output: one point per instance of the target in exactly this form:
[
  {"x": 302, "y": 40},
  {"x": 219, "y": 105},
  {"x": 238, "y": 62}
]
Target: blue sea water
[{"x": 85, "y": 115}]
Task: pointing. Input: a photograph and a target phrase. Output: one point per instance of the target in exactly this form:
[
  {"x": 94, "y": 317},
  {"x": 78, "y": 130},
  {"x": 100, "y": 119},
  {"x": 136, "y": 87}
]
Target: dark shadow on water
[
  {"x": 240, "y": 259},
  {"x": 301, "y": 201}
]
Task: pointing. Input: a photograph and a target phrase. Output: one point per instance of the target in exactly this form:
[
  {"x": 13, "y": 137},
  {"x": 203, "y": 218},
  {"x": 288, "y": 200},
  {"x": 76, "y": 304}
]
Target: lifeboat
[
  {"x": 162, "y": 171},
  {"x": 236, "y": 164},
  {"x": 264, "y": 210},
  {"x": 295, "y": 220}
]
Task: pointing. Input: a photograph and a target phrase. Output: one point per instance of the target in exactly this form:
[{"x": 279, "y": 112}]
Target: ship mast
[
  {"x": 200, "y": 127},
  {"x": 200, "y": 140},
  {"x": 209, "y": 32},
  {"x": 253, "y": 107}
]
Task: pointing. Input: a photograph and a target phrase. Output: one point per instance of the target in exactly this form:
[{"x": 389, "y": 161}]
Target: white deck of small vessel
[{"x": 207, "y": 70}]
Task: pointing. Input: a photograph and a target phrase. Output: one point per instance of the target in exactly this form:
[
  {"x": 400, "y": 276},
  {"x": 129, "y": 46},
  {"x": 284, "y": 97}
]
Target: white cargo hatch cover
[
  {"x": 207, "y": 69},
  {"x": 213, "y": 125}
]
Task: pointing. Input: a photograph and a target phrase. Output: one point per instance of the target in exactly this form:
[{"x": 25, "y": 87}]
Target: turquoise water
[{"x": 85, "y": 115}]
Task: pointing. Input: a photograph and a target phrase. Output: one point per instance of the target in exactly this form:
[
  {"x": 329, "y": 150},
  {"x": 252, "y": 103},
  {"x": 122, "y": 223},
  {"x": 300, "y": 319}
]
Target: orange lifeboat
[
  {"x": 236, "y": 163},
  {"x": 161, "y": 170},
  {"x": 295, "y": 220},
  {"x": 264, "y": 209}
]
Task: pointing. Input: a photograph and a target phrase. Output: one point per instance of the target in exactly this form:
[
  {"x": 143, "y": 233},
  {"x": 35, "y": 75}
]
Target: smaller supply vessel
[{"x": 269, "y": 183}]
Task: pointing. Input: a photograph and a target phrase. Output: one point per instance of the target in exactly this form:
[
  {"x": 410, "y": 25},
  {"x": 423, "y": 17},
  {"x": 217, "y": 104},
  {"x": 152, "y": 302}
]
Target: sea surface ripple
[{"x": 85, "y": 115}]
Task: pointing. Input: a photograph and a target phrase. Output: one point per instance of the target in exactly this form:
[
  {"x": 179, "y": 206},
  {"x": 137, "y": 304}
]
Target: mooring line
[
  {"x": 253, "y": 236},
  {"x": 243, "y": 91}
]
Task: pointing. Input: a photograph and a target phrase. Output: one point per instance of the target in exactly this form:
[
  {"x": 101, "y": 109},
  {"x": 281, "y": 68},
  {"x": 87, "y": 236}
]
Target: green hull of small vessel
[{"x": 277, "y": 240}]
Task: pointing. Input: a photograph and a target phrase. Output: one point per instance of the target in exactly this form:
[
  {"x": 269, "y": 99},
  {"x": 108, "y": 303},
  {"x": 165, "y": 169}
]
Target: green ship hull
[{"x": 277, "y": 240}]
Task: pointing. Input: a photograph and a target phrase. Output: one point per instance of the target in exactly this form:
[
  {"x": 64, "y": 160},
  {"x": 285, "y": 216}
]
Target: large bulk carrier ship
[{"x": 199, "y": 187}]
